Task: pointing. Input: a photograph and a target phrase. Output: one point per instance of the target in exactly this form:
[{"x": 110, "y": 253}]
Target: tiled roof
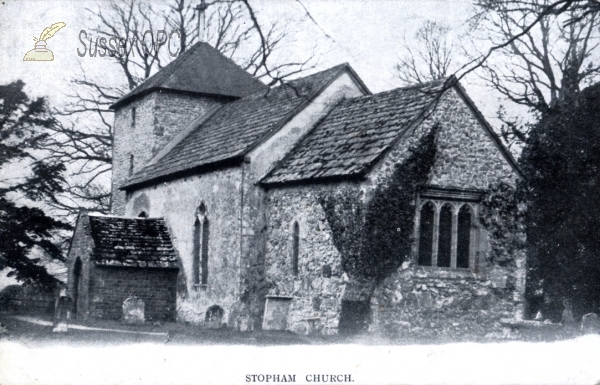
[
  {"x": 237, "y": 127},
  {"x": 137, "y": 242},
  {"x": 200, "y": 69},
  {"x": 355, "y": 134}
]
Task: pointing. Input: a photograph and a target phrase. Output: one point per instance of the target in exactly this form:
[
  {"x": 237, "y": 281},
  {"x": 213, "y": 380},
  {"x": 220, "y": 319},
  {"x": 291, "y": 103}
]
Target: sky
[{"x": 367, "y": 34}]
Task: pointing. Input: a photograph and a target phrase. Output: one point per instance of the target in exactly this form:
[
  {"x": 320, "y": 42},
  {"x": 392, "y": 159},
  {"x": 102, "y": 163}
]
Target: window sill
[
  {"x": 200, "y": 286},
  {"x": 446, "y": 272}
]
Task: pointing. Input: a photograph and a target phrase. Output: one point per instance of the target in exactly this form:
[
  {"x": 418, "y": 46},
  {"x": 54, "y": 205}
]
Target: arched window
[
  {"x": 204, "y": 256},
  {"x": 76, "y": 283},
  {"x": 295, "y": 247},
  {"x": 196, "y": 252},
  {"x": 131, "y": 160},
  {"x": 426, "y": 234},
  {"x": 463, "y": 246},
  {"x": 143, "y": 214},
  {"x": 445, "y": 237}
]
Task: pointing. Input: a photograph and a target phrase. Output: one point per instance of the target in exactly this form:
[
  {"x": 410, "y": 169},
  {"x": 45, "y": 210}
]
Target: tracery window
[{"x": 446, "y": 230}]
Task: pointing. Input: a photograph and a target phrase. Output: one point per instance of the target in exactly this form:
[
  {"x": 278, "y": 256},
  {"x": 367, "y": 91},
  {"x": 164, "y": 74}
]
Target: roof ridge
[
  {"x": 309, "y": 98},
  {"x": 406, "y": 88},
  {"x": 161, "y": 73},
  {"x": 96, "y": 215},
  {"x": 168, "y": 78}
]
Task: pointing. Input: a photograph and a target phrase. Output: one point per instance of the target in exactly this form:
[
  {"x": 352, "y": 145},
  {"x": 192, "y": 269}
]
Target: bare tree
[
  {"x": 546, "y": 64},
  {"x": 430, "y": 57},
  {"x": 83, "y": 141}
]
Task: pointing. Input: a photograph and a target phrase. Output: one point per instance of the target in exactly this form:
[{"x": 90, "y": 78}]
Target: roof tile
[
  {"x": 237, "y": 127},
  {"x": 356, "y": 131},
  {"x": 137, "y": 242}
]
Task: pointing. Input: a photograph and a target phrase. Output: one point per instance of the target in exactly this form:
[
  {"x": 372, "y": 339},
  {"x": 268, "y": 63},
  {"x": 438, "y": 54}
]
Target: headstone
[
  {"x": 567, "y": 315},
  {"x": 276, "y": 313},
  {"x": 239, "y": 317},
  {"x": 214, "y": 317},
  {"x": 590, "y": 324},
  {"x": 62, "y": 312},
  {"x": 539, "y": 316},
  {"x": 133, "y": 311}
]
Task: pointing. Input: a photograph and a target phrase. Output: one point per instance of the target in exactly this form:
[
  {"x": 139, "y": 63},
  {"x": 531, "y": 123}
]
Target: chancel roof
[{"x": 356, "y": 134}]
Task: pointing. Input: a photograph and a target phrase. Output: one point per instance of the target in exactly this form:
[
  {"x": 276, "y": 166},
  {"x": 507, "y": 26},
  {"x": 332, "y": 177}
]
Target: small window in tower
[
  {"x": 133, "y": 117},
  {"x": 131, "y": 161}
]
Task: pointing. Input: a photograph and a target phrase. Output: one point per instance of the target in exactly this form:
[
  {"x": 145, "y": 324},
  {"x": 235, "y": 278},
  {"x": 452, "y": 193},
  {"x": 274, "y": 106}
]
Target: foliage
[
  {"x": 374, "y": 237},
  {"x": 562, "y": 162},
  {"x": 24, "y": 228},
  {"x": 503, "y": 214}
]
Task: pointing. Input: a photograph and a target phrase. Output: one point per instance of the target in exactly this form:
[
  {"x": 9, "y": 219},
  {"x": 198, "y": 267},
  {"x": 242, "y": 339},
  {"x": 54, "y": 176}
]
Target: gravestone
[
  {"x": 214, "y": 317},
  {"x": 590, "y": 324},
  {"x": 567, "y": 315},
  {"x": 134, "y": 311},
  {"x": 276, "y": 313},
  {"x": 239, "y": 317},
  {"x": 62, "y": 312}
]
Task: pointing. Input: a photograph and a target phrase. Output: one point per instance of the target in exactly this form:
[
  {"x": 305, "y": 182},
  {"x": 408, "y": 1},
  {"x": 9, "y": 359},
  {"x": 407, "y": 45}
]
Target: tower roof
[{"x": 199, "y": 70}]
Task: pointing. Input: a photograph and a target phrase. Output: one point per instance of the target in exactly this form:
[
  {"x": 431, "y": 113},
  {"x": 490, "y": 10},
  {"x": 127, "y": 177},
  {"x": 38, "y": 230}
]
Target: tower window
[{"x": 133, "y": 117}]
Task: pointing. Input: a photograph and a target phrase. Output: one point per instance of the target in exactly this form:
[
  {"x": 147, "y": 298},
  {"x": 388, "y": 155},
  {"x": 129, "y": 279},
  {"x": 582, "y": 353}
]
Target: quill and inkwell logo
[{"x": 41, "y": 52}]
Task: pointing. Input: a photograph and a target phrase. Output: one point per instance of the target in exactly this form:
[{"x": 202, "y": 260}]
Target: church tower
[{"x": 191, "y": 87}]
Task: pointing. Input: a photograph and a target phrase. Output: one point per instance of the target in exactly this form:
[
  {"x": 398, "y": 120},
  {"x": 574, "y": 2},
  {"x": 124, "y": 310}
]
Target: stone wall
[
  {"x": 159, "y": 116},
  {"x": 27, "y": 299},
  {"x": 318, "y": 288},
  {"x": 110, "y": 286},
  {"x": 81, "y": 248},
  {"x": 178, "y": 201},
  {"x": 427, "y": 301}
]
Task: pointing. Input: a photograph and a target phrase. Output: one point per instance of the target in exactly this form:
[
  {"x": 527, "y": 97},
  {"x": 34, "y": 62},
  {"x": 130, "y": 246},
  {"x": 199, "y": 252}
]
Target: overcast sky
[{"x": 367, "y": 34}]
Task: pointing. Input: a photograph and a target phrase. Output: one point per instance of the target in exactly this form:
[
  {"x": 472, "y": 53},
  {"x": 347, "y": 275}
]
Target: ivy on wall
[
  {"x": 503, "y": 215},
  {"x": 375, "y": 236}
]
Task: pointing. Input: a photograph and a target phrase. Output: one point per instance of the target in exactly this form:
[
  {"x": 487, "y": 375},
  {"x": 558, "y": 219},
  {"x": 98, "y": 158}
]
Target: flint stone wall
[
  {"x": 316, "y": 296},
  {"x": 159, "y": 117},
  {"x": 425, "y": 301}
]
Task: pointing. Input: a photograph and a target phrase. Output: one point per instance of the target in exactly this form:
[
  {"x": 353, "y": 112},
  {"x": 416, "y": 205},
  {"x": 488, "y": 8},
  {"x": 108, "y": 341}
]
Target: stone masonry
[{"x": 428, "y": 301}]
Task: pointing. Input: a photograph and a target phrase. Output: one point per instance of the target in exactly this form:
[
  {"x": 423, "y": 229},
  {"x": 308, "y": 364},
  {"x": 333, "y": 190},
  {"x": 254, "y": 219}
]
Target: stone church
[{"x": 216, "y": 215}]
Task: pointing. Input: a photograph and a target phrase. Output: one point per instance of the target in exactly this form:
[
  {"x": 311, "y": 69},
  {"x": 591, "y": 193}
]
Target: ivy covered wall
[{"x": 347, "y": 253}]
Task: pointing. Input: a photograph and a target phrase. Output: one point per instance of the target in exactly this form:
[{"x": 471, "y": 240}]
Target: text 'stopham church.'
[{"x": 216, "y": 211}]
